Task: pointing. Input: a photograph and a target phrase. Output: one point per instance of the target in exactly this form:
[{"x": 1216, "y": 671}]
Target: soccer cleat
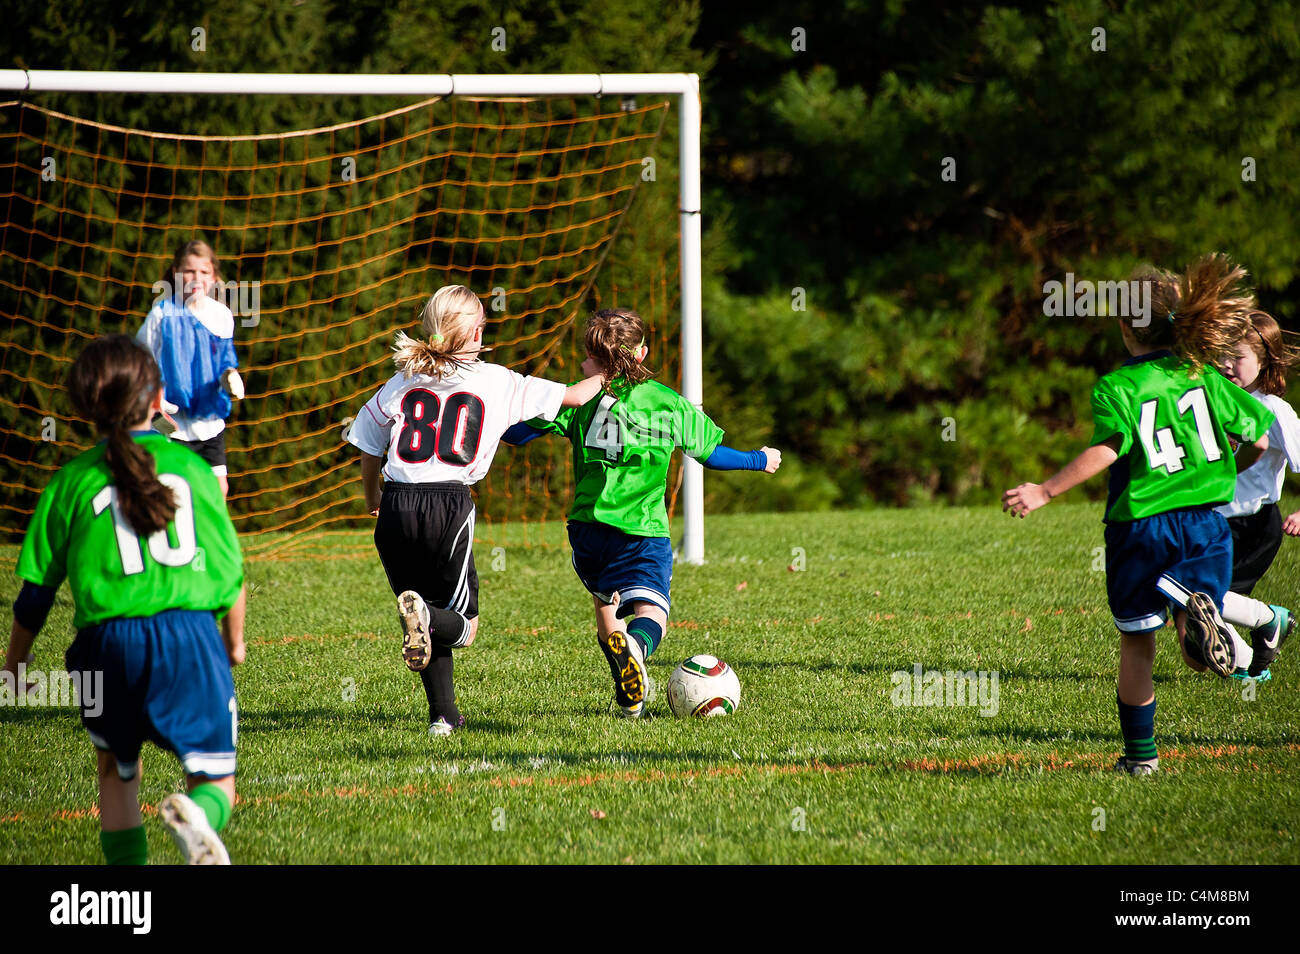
[
  {"x": 1137, "y": 766},
  {"x": 1206, "y": 628},
  {"x": 417, "y": 649},
  {"x": 627, "y": 665},
  {"x": 640, "y": 710},
  {"x": 1240, "y": 673},
  {"x": 441, "y": 728},
  {"x": 188, "y": 825},
  {"x": 1267, "y": 640}
]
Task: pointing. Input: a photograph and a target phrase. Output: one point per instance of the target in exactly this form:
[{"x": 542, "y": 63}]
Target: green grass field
[{"x": 817, "y": 765}]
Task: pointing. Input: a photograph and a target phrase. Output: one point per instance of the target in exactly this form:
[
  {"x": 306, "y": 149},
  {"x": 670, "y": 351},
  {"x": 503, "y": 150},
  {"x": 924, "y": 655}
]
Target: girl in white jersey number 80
[{"x": 431, "y": 431}]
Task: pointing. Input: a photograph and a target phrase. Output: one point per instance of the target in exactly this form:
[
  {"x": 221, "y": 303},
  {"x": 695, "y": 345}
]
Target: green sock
[
  {"x": 1138, "y": 726},
  {"x": 127, "y": 847},
  {"x": 214, "y": 802}
]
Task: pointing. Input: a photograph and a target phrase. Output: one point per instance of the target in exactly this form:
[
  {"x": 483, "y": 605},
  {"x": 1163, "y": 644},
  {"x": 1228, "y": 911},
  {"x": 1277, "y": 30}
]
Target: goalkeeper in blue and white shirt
[{"x": 191, "y": 336}]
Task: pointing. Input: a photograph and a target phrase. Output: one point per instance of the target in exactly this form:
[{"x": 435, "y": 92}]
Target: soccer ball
[{"x": 703, "y": 686}]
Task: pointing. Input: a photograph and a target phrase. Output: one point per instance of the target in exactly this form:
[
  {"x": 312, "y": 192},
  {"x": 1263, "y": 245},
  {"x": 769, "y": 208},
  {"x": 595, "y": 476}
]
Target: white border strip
[{"x": 350, "y": 84}]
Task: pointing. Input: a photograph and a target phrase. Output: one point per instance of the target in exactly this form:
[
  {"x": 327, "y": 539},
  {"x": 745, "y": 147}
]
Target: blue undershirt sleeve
[
  {"x": 725, "y": 458},
  {"x": 521, "y": 434}
]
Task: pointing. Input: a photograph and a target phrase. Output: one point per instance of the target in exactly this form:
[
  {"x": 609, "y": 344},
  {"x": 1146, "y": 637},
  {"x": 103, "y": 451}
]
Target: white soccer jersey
[
  {"x": 1261, "y": 483},
  {"x": 447, "y": 429}
]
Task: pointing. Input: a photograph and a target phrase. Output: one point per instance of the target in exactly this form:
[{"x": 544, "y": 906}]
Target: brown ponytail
[
  {"x": 111, "y": 384},
  {"x": 612, "y": 338},
  {"x": 1213, "y": 312},
  {"x": 1201, "y": 314}
]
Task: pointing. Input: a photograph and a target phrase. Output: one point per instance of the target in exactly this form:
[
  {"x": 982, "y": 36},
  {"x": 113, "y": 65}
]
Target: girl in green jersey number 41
[
  {"x": 623, "y": 440},
  {"x": 1165, "y": 424}
]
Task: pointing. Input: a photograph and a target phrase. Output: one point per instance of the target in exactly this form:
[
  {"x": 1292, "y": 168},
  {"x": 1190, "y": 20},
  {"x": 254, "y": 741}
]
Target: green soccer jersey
[
  {"x": 622, "y": 445},
  {"x": 1173, "y": 429},
  {"x": 79, "y": 533}
]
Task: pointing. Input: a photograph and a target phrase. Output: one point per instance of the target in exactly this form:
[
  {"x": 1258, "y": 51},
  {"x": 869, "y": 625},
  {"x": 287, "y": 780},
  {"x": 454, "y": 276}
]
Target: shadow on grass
[
  {"x": 906, "y": 666},
  {"x": 279, "y": 720},
  {"x": 18, "y": 715},
  {"x": 1108, "y": 740},
  {"x": 1102, "y": 738},
  {"x": 594, "y": 762}
]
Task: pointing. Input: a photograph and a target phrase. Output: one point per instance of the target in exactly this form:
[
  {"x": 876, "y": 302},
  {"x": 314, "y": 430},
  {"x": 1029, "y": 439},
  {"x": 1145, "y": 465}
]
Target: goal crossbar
[{"x": 685, "y": 86}]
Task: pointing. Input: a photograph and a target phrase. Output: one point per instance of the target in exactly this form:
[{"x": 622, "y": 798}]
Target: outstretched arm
[
  {"x": 1025, "y": 499},
  {"x": 766, "y": 459},
  {"x": 579, "y": 394}
]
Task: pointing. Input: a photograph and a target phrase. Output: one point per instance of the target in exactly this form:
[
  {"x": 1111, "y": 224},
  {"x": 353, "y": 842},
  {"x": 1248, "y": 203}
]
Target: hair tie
[
  {"x": 633, "y": 350},
  {"x": 435, "y": 337},
  {"x": 1171, "y": 317},
  {"x": 1268, "y": 352}
]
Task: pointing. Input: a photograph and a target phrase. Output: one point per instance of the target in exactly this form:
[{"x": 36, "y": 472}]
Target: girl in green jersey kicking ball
[
  {"x": 138, "y": 527},
  {"x": 1165, "y": 424},
  {"x": 623, "y": 440}
]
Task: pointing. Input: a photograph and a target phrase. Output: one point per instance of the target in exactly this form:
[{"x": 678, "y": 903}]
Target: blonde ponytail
[{"x": 449, "y": 319}]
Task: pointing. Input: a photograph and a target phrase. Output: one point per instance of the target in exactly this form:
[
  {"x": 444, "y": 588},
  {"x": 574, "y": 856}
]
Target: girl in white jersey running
[
  {"x": 1259, "y": 364},
  {"x": 432, "y": 431}
]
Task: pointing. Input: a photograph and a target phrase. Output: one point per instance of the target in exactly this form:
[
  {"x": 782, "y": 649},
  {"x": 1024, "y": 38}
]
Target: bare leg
[
  {"x": 608, "y": 621},
  {"x": 625, "y": 657},
  {"x": 119, "y": 801},
  {"x": 1137, "y": 654}
]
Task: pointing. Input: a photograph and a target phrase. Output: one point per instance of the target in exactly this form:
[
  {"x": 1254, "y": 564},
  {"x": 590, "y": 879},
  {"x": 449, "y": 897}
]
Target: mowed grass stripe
[{"x": 988, "y": 764}]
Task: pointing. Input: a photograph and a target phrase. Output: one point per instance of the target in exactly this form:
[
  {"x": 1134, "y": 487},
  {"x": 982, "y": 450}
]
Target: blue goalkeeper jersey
[{"x": 192, "y": 354}]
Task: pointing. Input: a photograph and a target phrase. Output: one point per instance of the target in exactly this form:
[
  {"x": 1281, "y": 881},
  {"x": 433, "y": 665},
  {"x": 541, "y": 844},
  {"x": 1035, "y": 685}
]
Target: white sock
[
  {"x": 1245, "y": 611},
  {"x": 1243, "y": 654}
]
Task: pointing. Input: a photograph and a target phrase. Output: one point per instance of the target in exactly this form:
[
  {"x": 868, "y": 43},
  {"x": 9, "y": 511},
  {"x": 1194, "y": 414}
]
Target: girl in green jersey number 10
[
  {"x": 1164, "y": 424},
  {"x": 623, "y": 440},
  {"x": 138, "y": 527}
]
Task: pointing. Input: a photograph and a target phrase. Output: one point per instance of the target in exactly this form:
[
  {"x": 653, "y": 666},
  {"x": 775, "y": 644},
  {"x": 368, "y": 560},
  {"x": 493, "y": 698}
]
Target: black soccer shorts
[
  {"x": 425, "y": 539},
  {"x": 213, "y": 450},
  {"x": 1256, "y": 538}
]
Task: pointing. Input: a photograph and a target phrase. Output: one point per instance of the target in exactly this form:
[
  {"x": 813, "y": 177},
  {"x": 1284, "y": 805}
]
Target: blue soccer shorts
[
  {"x": 609, "y": 561},
  {"x": 1163, "y": 559},
  {"x": 165, "y": 679}
]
